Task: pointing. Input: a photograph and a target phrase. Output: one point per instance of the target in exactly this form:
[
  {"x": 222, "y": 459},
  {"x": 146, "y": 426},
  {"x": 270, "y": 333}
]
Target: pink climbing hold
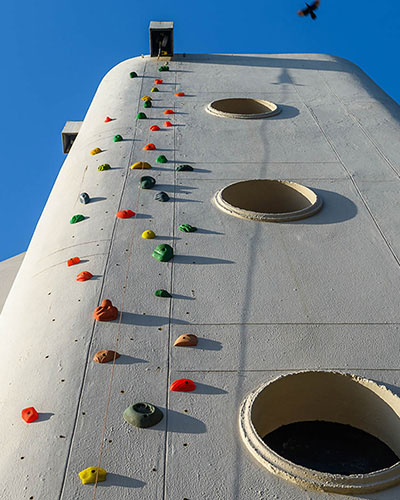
[
  {"x": 108, "y": 119},
  {"x": 169, "y": 112},
  {"x": 154, "y": 128},
  {"x": 149, "y": 147},
  {"x": 180, "y": 94},
  {"x": 125, "y": 214},
  {"x": 29, "y": 414},
  {"x": 157, "y": 81},
  {"x": 183, "y": 385},
  {"x": 167, "y": 124}
]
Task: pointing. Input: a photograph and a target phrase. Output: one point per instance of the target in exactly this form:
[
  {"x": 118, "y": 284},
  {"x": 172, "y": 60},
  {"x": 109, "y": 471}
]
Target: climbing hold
[
  {"x": 157, "y": 81},
  {"x": 161, "y": 196},
  {"x": 184, "y": 168},
  {"x": 29, "y": 414},
  {"x": 169, "y": 112},
  {"x": 77, "y": 218},
  {"x": 167, "y": 124},
  {"x": 162, "y": 159},
  {"x": 186, "y": 340},
  {"x": 93, "y": 474},
  {"x": 73, "y": 261},
  {"x": 155, "y": 89},
  {"x": 148, "y": 234},
  {"x": 105, "y": 166},
  {"x": 146, "y": 98},
  {"x": 147, "y": 104},
  {"x": 105, "y": 356},
  {"x": 142, "y": 415},
  {"x": 118, "y": 138},
  {"x": 182, "y": 385},
  {"x": 141, "y": 116},
  {"x": 84, "y": 276},
  {"x": 125, "y": 214},
  {"x": 84, "y": 198},
  {"x": 187, "y": 228},
  {"x": 108, "y": 119},
  {"x": 180, "y": 94},
  {"x": 154, "y": 128},
  {"x": 133, "y": 74},
  {"x": 163, "y": 252},
  {"x": 105, "y": 312},
  {"x": 162, "y": 293},
  {"x": 140, "y": 165},
  {"x": 95, "y": 151},
  {"x": 147, "y": 182},
  {"x": 163, "y": 68},
  {"x": 149, "y": 147}
]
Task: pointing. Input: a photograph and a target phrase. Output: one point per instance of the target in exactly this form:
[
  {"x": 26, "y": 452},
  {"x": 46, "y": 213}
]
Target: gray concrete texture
[
  {"x": 8, "y": 271},
  {"x": 264, "y": 299}
]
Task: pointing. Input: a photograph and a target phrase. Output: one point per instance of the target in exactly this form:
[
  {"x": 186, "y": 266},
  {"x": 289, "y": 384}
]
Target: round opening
[
  {"x": 243, "y": 108},
  {"x": 329, "y": 431},
  {"x": 268, "y": 200}
]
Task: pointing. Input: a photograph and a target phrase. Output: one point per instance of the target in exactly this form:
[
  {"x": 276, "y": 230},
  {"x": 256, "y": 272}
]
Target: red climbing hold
[
  {"x": 73, "y": 261},
  {"x": 29, "y": 414},
  {"x": 106, "y": 312},
  {"x": 183, "y": 385},
  {"x": 157, "y": 81},
  {"x": 125, "y": 214},
  {"x": 149, "y": 147},
  {"x": 167, "y": 124},
  {"x": 169, "y": 112},
  {"x": 84, "y": 276},
  {"x": 154, "y": 128},
  {"x": 180, "y": 94},
  {"x": 108, "y": 119}
]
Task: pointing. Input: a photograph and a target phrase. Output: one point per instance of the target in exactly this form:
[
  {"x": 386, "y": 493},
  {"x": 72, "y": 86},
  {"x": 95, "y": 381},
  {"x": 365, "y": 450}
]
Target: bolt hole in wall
[
  {"x": 243, "y": 108},
  {"x": 332, "y": 431}
]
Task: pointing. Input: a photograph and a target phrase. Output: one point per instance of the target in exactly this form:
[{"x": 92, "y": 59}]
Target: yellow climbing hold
[
  {"x": 148, "y": 234},
  {"x": 146, "y": 98},
  {"x": 95, "y": 151},
  {"x": 89, "y": 475},
  {"x": 141, "y": 165}
]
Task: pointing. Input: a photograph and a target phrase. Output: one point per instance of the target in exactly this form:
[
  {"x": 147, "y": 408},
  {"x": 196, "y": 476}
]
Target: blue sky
[{"x": 55, "y": 54}]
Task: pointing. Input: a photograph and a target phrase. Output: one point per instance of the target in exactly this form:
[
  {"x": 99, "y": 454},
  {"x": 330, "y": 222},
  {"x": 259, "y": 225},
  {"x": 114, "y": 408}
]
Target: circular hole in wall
[
  {"x": 268, "y": 200},
  {"x": 328, "y": 431},
  {"x": 243, "y": 108}
]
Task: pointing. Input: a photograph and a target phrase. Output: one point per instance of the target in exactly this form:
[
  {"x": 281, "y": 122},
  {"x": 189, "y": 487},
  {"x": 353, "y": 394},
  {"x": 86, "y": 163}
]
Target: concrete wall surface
[
  {"x": 8, "y": 271},
  {"x": 263, "y": 298}
]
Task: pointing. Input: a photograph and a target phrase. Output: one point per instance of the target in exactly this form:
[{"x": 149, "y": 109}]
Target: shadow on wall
[{"x": 121, "y": 481}]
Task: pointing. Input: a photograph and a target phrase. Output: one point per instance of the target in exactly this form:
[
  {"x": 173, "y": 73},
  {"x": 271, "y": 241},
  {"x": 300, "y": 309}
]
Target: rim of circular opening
[
  {"x": 273, "y": 109},
  {"x": 314, "y": 207},
  {"x": 300, "y": 475}
]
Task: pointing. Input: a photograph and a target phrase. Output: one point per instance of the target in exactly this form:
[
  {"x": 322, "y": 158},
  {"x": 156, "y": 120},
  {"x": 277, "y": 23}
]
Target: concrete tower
[{"x": 297, "y": 320}]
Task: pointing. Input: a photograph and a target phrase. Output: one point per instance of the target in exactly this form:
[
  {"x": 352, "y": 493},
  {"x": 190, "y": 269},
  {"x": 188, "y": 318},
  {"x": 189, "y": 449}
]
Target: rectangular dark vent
[{"x": 161, "y": 38}]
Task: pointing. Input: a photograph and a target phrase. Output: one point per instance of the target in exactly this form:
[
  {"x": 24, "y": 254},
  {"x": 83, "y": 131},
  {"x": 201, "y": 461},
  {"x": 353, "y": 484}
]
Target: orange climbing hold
[
  {"x": 183, "y": 385},
  {"x": 84, "y": 276},
  {"x": 169, "y": 112},
  {"x": 108, "y": 119},
  {"x": 180, "y": 94},
  {"x": 167, "y": 124},
  {"x": 73, "y": 261},
  {"x": 125, "y": 214},
  {"x": 105, "y": 312},
  {"x": 29, "y": 414},
  {"x": 157, "y": 81},
  {"x": 154, "y": 128},
  {"x": 149, "y": 147}
]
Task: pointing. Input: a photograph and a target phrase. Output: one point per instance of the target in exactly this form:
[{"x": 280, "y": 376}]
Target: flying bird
[{"x": 309, "y": 10}]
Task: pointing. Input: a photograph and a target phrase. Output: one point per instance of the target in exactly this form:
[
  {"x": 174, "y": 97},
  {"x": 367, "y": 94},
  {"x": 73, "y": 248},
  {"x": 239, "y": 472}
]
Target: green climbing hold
[
  {"x": 76, "y": 218},
  {"x": 163, "y": 253},
  {"x": 141, "y": 116},
  {"x": 163, "y": 68},
  {"x": 184, "y": 168},
  {"x": 162, "y": 159},
  {"x": 142, "y": 415},
  {"x": 147, "y": 182},
  {"x": 162, "y": 293},
  {"x": 105, "y": 166},
  {"x": 147, "y": 104},
  {"x": 118, "y": 138},
  {"x": 155, "y": 89},
  {"x": 187, "y": 228},
  {"x": 133, "y": 74}
]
